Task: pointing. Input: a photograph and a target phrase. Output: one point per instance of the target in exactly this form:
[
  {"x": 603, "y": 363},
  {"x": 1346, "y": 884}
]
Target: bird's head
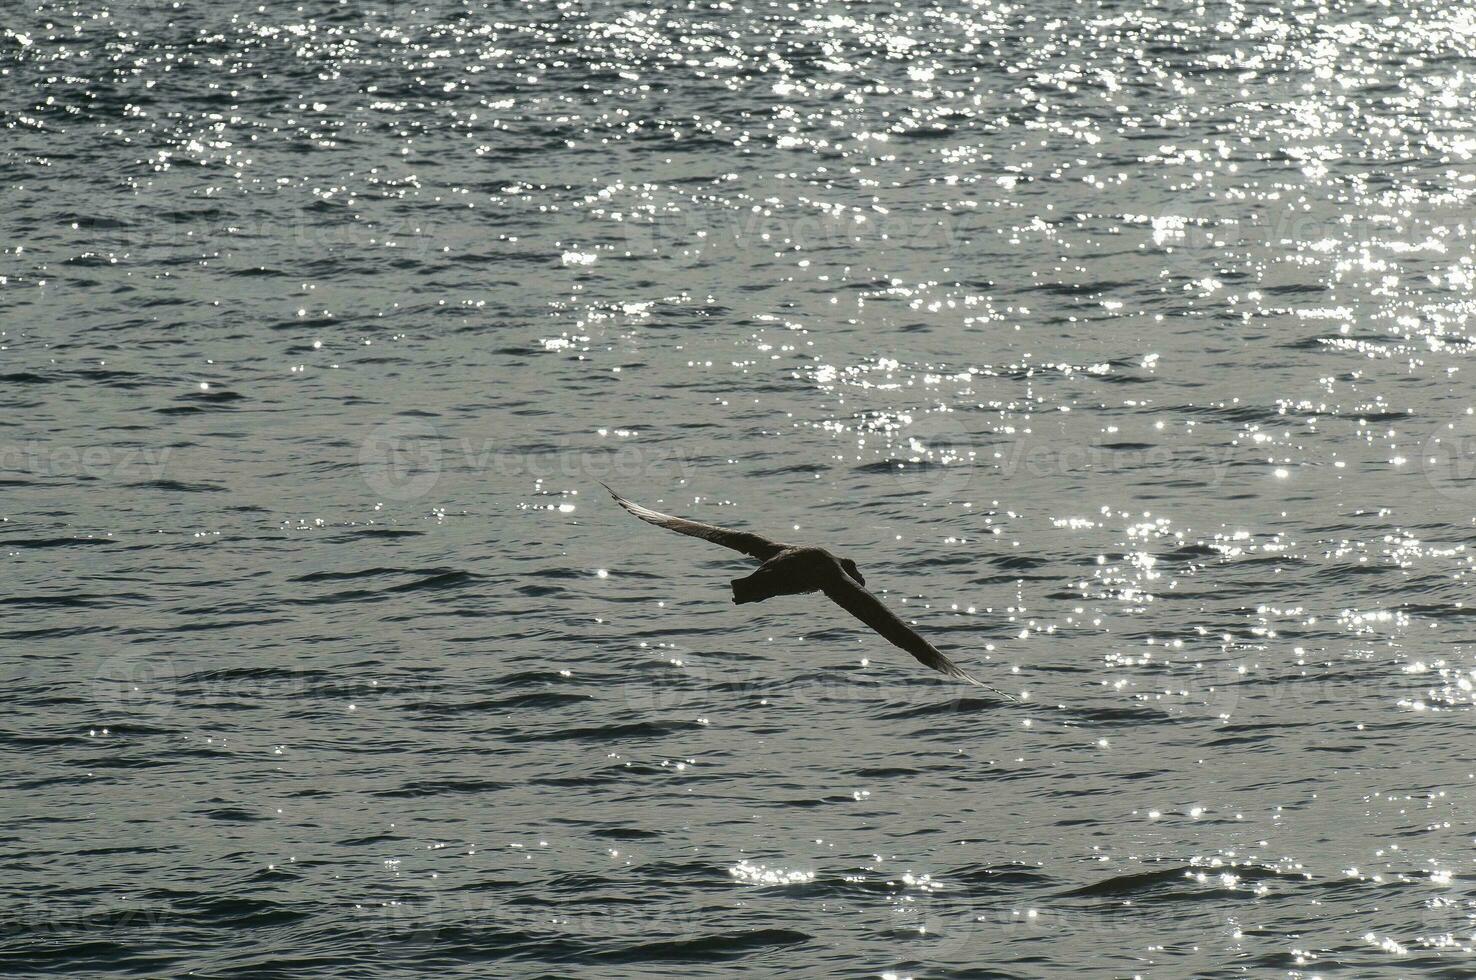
[{"x": 852, "y": 570}]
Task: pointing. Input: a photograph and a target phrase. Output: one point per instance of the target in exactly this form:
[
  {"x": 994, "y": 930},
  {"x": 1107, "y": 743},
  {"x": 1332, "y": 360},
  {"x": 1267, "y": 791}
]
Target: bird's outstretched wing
[
  {"x": 869, "y": 609},
  {"x": 756, "y": 545}
]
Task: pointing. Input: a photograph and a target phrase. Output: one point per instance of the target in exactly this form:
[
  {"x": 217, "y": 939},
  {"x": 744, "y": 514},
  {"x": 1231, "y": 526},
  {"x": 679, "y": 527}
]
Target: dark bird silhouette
[{"x": 788, "y": 569}]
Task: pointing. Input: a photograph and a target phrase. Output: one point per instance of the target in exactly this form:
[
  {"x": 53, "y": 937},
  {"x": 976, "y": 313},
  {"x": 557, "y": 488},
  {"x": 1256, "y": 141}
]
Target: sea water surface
[{"x": 1127, "y": 347}]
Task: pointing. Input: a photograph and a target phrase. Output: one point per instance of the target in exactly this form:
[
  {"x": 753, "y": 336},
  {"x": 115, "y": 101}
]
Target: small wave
[
  {"x": 443, "y": 787},
  {"x": 605, "y": 733},
  {"x": 177, "y": 486},
  {"x": 716, "y": 947},
  {"x": 1133, "y": 884},
  {"x": 55, "y": 542}
]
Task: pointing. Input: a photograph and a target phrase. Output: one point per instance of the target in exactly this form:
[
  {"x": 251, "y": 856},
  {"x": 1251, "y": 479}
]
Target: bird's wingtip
[
  {"x": 1004, "y": 694},
  {"x": 989, "y": 687}
]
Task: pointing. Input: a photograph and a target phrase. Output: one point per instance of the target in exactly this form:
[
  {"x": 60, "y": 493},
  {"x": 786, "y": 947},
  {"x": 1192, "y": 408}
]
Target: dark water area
[{"x": 1127, "y": 347}]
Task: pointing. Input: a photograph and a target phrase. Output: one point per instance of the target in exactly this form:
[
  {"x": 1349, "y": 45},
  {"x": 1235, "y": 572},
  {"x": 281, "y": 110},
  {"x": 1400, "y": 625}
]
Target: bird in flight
[{"x": 788, "y": 569}]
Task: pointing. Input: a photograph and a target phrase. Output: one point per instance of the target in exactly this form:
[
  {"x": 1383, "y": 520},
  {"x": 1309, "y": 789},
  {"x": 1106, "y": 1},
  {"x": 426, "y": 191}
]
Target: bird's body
[{"x": 795, "y": 570}]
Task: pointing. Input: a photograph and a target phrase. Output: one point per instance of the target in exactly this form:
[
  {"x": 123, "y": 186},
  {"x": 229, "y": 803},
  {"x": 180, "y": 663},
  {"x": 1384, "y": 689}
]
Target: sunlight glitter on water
[{"x": 1126, "y": 348}]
